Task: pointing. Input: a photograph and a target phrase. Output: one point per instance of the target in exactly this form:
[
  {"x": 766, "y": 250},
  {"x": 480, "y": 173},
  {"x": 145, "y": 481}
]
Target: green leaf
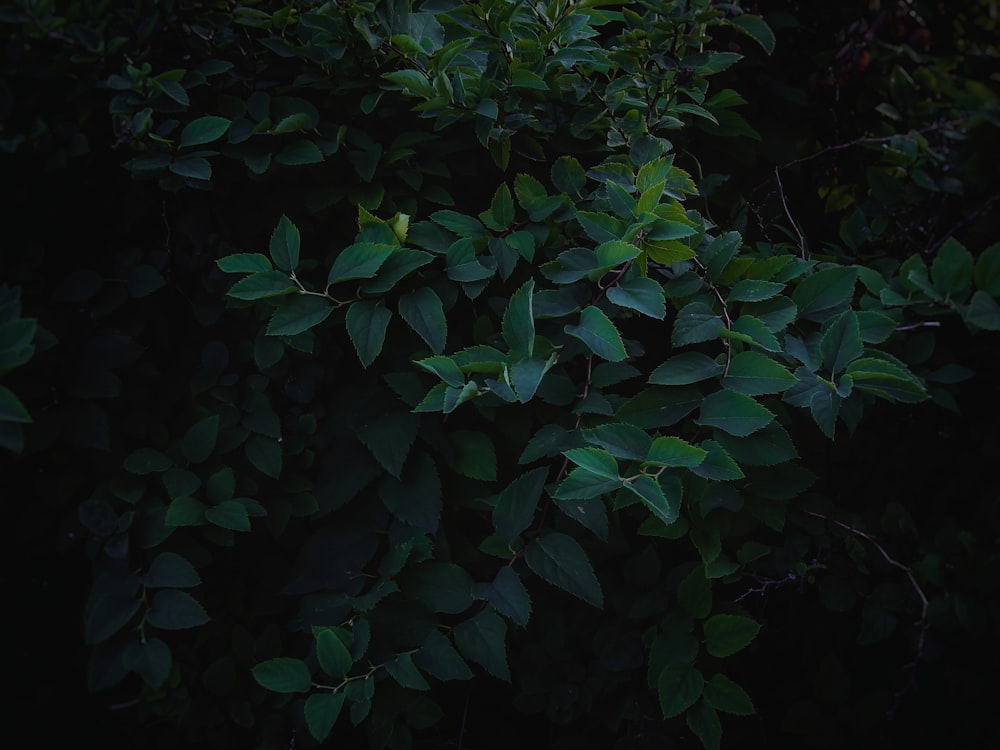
[
  {"x": 704, "y": 722},
  {"x": 445, "y": 368},
  {"x": 204, "y": 130},
  {"x": 361, "y": 260},
  {"x": 641, "y": 294},
  {"x": 175, "y": 610},
  {"x": 695, "y": 322},
  {"x": 599, "y": 334},
  {"x": 502, "y": 207},
  {"x": 718, "y": 464},
  {"x": 195, "y": 168},
  {"x": 568, "y": 176},
  {"x": 332, "y": 654},
  {"x": 389, "y": 437},
  {"x": 684, "y": 369},
  {"x": 11, "y": 407},
  {"x": 199, "y": 440},
  {"x": 841, "y": 343},
  {"x": 185, "y": 511},
  {"x": 615, "y": 252},
  {"x": 151, "y": 660},
  {"x": 595, "y": 461},
  {"x": 752, "y": 290},
  {"x": 679, "y": 685},
  {"x": 265, "y": 454},
  {"x": 621, "y": 440},
  {"x": 367, "y": 321},
  {"x": 460, "y": 224},
  {"x": 415, "y": 500},
  {"x": 405, "y": 672},
  {"x": 653, "y": 497},
  {"x": 825, "y": 292},
  {"x": 423, "y": 312},
  {"x": 727, "y": 634},
  {"x": 983, "y": 312},
  {"x": 886, "y": 379},
  {"x": 439, "y": 586},
  {"x": 284, "y": 247},
  {"x": 293, "y": 123},
  {"x": 515, "y": 508},
  {"x": 299, "y": 152},
  {"x": 146, "y": 461},
  {"x": 170, "y": 570},
  {"x": 321, "y": 712},
  {"x": 475, "y": 456},
  {"x": 229, "y": 514},
  {"x": 244, "y": 263},
  {"x": 508, "y": 595},
  {"x": 526, "y": 376},
  {"x": 734, "y": 413},
  {"x": 581, "y": 484},
  {"x": 143, "y": 280},
  {"x": 723, "y": 694},
  {"x": 438, "y": 658},
  {"x": 673, "y": 451},
  {"x": 262, "y": 285},
  {"x": 987, "y": 271},
  {"x": 518, "y": 325},
  {"x": 397, "y": 266},
  {"x": 560, "y": 560},
  {"x": 482, "y": 639},
  {"x": 952, "y": 269},
  {"x": 768, "y": 447},
  {"x": 757, "y": 29},
  {"x": 753, "y": 374},
  {"x": 283, "y": 675}
]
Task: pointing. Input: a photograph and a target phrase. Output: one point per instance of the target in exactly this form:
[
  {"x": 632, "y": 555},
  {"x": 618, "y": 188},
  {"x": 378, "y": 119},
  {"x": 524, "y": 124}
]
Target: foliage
[{"x": 493, "y": 397}]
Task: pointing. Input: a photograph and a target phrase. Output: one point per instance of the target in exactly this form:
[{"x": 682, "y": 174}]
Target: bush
[{"x": 445, "y": 356}]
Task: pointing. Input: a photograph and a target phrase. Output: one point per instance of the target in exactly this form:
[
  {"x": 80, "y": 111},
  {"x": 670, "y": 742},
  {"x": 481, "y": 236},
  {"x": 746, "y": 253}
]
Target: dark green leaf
[
  {"x": 439, "y": 586},
  {"x": 673, "y": 451},
  {"x": 757, "y": 29},
  {"x": 416, "y": 499},
  {"x": 170, "y": 570},
  {"x": 825, "y": 292},
  {"x": 753, "y": 374},
  {"x": 686, "y": 368},
  {"x": 887, "y": 379},
  {"x": 518, "y": 325},
  {"x": 439, "y": 658},
  {"x": 752, "y": 290},
  {"x": 568, "y": 176},
  {"x": 987, "y": 271},
  {"x": 621, "y": 440},
  {"x": 361, "y": 260},
  {"x": 151, "y": 660},
  {"x": 502, "y": 207},
  {"x": 195, "y": 168},
  {"x": 112, "y": 603},
  {"x": 734, "y": 413},
  {"x": 283, "y": 675},
  {"x": 284, "y": 246},
  {"x": 405, "y": 672},
  {"x": 641, "y": 294},
  {"x": 321, "y": 712},
  {"x": 146, "y": 461},
  {"x": 695, "y": 322},
  {"x": 143, "y": 280},
  {"x": 983, "y": 312},
  {"x": 841, "y": 343},
  {"x": 244, "y": 263},
  {"x": 679, "y": 685},
  {"x": 507, "y": 595},
  {"x": 204, "y": 130},
  {"x": 599, "y": 334},
  {"x": 703, "y": 720},
  {"x": 299, "y": 152},
  {"x": 694, "y": 593},
  {"x": 298, "y": 314},
  {"x": 475, "y": 456},
  {"x": 367, "y": 321},
  {"x": 265, "y": 454},
  {"x": 653, "y": 497},
  {"x": 952, "y": 269},
  {"x": 515, "y": 508},
  {"x": 175, "y": 610},
  {"x": 767, "y": 447},
  {"x": 755, "y": 331},
  {"x": 185, "y": 511},
  {"x": 261, "y": 285},
  {"x": 727, "y": 634},
  {"x": 11, "y": 407},
  {"x": 445, "y": 368},
  {"x": 396, "y": 267},
  {"x": 560, "y": 560},
  {"x": 332, "y": 653},
  {"x": 718, "y": 465},
  {"x": 725, "y": 695},
  {"x": 229, "y": 514},
  {"x": 483, "y": 640},
  {"x": 389, "y": 438},
  {"x": 423, "y": 312},
  {"x": 199, "y": 440},
  {"x": 595, "y": 461}
]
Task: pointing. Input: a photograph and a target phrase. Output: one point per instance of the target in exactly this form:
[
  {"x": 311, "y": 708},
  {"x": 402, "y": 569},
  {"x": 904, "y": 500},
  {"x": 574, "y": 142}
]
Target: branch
[{"x": 788, "y": 213}]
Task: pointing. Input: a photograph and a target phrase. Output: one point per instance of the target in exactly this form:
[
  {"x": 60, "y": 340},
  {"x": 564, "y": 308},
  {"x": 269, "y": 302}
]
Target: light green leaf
[
  {"x": 599, "y": 334},
  {"x": 367, "y": 321},
  {"x": 283, "y": 675},
  {"x": 518, "y": 325},
  {"x": 734, "y": 413},
  {"x": 483, "y": 640},
  {"x": 753, "y": 374},
  {"x": 641, "y": 294},
  {"x": 204, "y": 130},
  {"x": 285, "y": 244},
  {"x": 175, "y": 610},
  {"x": 653, "y": 497},
  {"x": 361, "y": 260},
  {"x": 727, "y": 634},
  {"x": 679, "y": 685},
  {"x": 615, "y": 252},
  {"x": 515, "y": 508},
  {"x": 560, "y": 560},
  {"x": 684, "y": 369},
  {"x": 695, "y": 322},
  {"x": 321, "y": 712}
]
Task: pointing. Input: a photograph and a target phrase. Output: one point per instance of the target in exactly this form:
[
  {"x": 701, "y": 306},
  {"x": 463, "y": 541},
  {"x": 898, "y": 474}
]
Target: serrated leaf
[
  {"x": 704, "y": 722},
  {"x": 439, "y": 658},
  {"x": 673, "y": 451},
  {"x": 725, "y": 695},
  {"x": 725, "y": 635},
  {"x": 185, "y": 511},
  {"x": 229, "y": 514},
  {"x": 482, "y": 639},
  {"x": 641, "y": 294},
  {"x": 151, "y": 660},
  {"x": 508, "y": 595},
  {"x": 595, "y": 461},
  {"x": 416, "y": 499},
  {"x": 502, "y": 207},
  {"x": 321, "y": 712},
  {"x": 299, "y": 152},
  {"x": 293, "y": 123},
  {"x": 332, "y": 654},
  {"x": 285, "y": 244},
  {"x": 244, "y": 263},
  {"x": 515, "y": 508},
  {"x": 518, "y": 325},
  {"x": 757, "y": 29},
  {"x": 734, "y": 413},
  {"x": 526, "y": 376},
  {"x": 361, "y": 260},
  {"x": 753, "y": 374},
  {"x": 753, "y": 290},
  {"x": 987, "y": 271},
  {"x": 423, "y": 312},
  {"x": 170, "y": 570},
  {"x": 204, "y": 130},
  {"x": 679, "y": 685},
  {"x": 983, "y": 312},
  {"x": 952, "y": 268},
  {"x": 389, "y": 438},
  {"x": 397, "y": 266},
  {"x": 695, "y": 322},
  {"x": 754, "y": 331},
  {"x": 475, "y": 456},
  {"x": 825, "y": 292},
  {"x": 568, "y": 175},
  {"x": 367, "y": 321},
  {"x": 405, "y": 672},
  {"x": 298, "y": 314},
  {"x": 283, "y": 675},
  {"x": 560, "y": 560},
  {"x": 841, "y": 343},
  {"x": 653, "y": 497},
  {"x": 621, "y": 440},
  {"x": 599, "y": 334},
  {"x": 175, "y": 610},
  {"x": 445, "y": 368},
  {"x": 684, "y": 369},
  {"x": 262, "y": 285},
  {"x": 718, "y": 464},
  {"x": 199, "y": 440},
  {"x": 265, "y": 454}
]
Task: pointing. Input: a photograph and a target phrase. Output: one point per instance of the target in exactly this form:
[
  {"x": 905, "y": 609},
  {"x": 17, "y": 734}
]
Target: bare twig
[
  {"x": 788, "y": 213},
  {"x": 986, "y": 206}
]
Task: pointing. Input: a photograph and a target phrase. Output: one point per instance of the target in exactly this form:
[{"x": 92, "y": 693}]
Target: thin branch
[
  {"x": 923, "y": 324},
  {"x": 986, "y": 206},
  {"x": 788, "y": 213}
]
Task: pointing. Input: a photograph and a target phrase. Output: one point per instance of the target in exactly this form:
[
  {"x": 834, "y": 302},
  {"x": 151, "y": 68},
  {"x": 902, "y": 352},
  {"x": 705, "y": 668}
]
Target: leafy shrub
[{"x": 493, "y": 397}]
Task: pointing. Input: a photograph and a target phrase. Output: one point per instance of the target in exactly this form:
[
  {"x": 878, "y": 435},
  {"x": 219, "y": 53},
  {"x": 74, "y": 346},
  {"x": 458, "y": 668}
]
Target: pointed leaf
[
  {"x": 725, "y": 695},
  {"x": 594, "y": 460},
  {"x": 265, "y": 454},
  {"x": 321, "y": 712},
  {"x": 389, "y": 437},
  {"x": 825, "y": 292},
  {"x": 367, "y": 321},
  {"x": 332, "y": 653},
  {"x": 283, "y": 675},
  {"x": 262, "y": 285},
  {"x": 515, "y": 508},
  {"x": 438, "y": 658},
  {"x": 284, "y": 246},
  {"x": 445, "y": 368},
  {"x": 405, "y": 672},
  {"x": 518, "y": 325},
  {"x": 204, "y": 130},
  {"x": 734, "y": 413},
  {"x": 679, "y": 685},
  {"x": 727, "y": 634},
  {"x": 686, "y": 368},
  {"x": 502, "y": 207},
  {"x": 653, "y": 497},
  {"x": 298, "y": 314},
  {"x": 199, "y": 440},
  {"x": 175, "y": 610},
  {"x": 599, "y": 334},
  {"x": 475, "y": 456},
  {"x": 621, "y": 440},
  {"x": 757, "y": 29},
  {"x": 841, "y": 343},
  {"x": 753, "y": 374},
  {"x": 695, "y": 322},
  {"x": 170, "y": 570},
  {"x": 704, "y": 722},
  {"x": 718, "y": 464},
  {"x": 582, "y": 484},
  {"x": 673, "y": 451},
  {"x": 560, "y": 560},
  {"x": 483, "y": 640},
  {"x": 244, "y": 263},
  {"x": 423, "y": 312},
  {"x": 361, "y": 260},
  {"x": 641, "y": 294},
  {"x": 508, "y": 595}
]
